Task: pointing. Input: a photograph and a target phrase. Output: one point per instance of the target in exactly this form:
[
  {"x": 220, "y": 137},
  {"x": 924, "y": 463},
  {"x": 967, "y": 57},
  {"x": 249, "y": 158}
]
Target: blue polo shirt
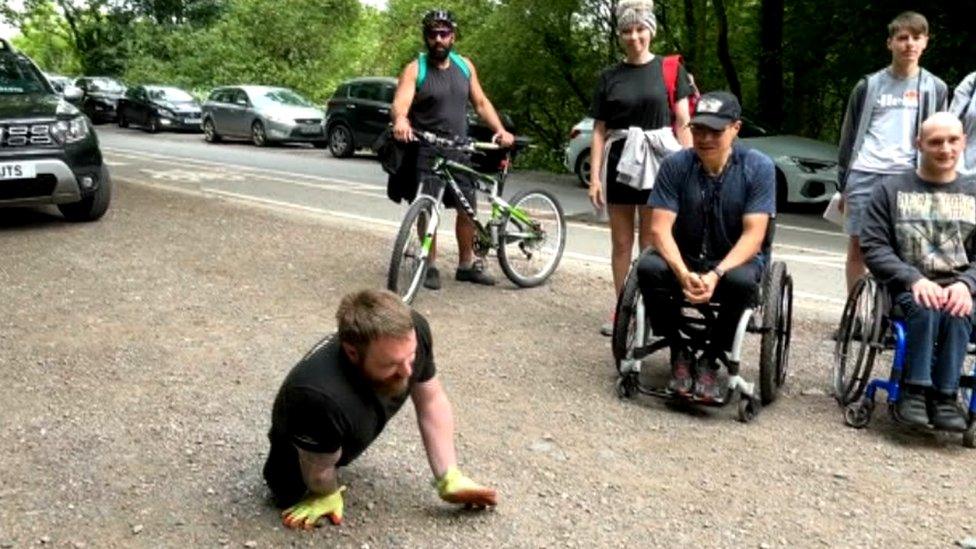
[{"x": 710, "y": 209}]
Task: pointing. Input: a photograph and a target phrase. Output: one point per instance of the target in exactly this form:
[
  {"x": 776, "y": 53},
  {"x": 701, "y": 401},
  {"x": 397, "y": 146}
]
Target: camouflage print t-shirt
[{"x": 915, "y": 228}]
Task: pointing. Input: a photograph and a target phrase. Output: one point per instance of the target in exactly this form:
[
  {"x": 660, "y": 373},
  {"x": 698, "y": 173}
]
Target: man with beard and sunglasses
[
  {"x": 341, "y": 395},
  {"x": 432, "y": 96}
]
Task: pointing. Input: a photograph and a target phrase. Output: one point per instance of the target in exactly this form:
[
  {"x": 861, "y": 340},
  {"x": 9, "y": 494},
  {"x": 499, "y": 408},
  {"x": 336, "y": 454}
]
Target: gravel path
[{"x": 139, "y": 357}]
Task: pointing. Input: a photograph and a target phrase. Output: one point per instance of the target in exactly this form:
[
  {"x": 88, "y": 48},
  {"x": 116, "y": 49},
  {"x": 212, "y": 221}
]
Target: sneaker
[
  {"x": 432, "y": 280},
  {"x": 946, "y": 415},
  {"x": 475, "y": 273},
  {"x": 707, "y": 387},
  {"x": 681, "y": 375},
  {"x": 911, "y": 410}
]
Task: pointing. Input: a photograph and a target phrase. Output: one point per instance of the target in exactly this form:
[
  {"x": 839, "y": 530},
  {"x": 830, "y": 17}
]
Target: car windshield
[
  {"x": 105, "y": 85},
  {"x": 18, "y": 77},
  {"x": 173, "y": 95},
  {"x": 281, "y": 97}
]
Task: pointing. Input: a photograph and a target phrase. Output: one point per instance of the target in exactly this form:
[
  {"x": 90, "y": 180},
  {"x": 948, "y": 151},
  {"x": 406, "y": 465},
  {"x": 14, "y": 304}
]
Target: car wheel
[
  {"x": 92, "y": 207},
  {"x": 340, "y": 141},
  {"x": 210, "y": 134},
  {"x": 153, "y": 125},
  {"x": 123, "y": 123},
  {"x": 258, "y": 136},
  {"x": 583, "y": 168}
]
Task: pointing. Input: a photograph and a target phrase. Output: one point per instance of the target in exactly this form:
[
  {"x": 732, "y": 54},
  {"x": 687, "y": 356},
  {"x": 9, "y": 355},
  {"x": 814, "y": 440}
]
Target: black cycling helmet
[{"x": 443, "y": 17}]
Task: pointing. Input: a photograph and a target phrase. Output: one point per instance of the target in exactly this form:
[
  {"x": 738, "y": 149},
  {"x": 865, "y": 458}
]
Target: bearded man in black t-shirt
[{"x": 338, "y": 399}]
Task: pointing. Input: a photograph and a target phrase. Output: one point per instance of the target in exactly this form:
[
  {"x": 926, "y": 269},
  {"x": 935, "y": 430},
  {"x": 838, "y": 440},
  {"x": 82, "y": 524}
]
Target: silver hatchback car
[{"x": 262, "y": 114}]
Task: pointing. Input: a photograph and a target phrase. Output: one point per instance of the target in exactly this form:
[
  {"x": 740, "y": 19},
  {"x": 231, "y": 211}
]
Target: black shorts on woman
[{"x": 633, "y": 95}]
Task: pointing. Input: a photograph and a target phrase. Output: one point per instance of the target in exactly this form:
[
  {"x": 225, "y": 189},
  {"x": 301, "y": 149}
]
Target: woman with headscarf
[{"x": 632, "y": 132}]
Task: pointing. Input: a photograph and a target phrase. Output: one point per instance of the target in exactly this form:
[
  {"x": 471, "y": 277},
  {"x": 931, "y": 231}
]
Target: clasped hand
[
  {"x": 699, "y": 287},
  {"x": 954, "y": 299}
]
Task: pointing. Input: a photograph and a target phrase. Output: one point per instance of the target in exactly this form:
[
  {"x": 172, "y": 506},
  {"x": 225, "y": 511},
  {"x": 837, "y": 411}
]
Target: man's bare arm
[{"x": 319, "y": 471}]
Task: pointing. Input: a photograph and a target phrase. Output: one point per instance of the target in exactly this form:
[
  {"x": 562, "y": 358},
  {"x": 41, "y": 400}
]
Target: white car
[{"x": 806, "y": 169}]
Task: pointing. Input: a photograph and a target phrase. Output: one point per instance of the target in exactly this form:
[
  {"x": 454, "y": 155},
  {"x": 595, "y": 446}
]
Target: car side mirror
[{"x": 73, "y": 93}]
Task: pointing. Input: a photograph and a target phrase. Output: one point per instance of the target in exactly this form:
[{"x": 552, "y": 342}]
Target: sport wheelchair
[
  {"x": 869, "y": 326},
  {"x": 771, "y": 316}
]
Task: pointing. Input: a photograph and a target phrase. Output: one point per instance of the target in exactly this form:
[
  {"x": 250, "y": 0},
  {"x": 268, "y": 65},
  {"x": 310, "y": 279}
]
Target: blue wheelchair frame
[{"x": 857, "y": 414}]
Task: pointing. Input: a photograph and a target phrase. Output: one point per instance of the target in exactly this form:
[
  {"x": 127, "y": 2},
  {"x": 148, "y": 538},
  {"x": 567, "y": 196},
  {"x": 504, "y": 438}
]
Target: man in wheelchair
[
  {"x": 711, "y": 206},
  {"x": 918, "y": 240}
]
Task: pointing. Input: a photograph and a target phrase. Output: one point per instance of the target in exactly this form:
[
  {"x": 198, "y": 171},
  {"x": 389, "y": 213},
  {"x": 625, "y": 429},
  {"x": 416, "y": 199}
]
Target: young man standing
[
  {"x": 439, "y": 105},
  {"x": 919, "y": 239},
  {"x": 882, "y": 121}
]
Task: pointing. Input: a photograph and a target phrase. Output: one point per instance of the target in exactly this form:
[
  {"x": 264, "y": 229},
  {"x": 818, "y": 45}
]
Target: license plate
[
  {"x": 17, "y": 170},
  {"x": 192, "y": 121},
  {"x": 312, "y": 130}
]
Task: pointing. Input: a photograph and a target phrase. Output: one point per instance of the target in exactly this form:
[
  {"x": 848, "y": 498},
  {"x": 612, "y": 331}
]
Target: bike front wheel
[
  {"x": 408, "y": 264},
  {"x": 532, "y": 238}
]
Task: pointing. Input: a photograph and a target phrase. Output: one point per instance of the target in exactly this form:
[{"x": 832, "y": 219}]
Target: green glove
[
  {"x": 454, "y": 487},
  {"x": 307, "y": 513}
]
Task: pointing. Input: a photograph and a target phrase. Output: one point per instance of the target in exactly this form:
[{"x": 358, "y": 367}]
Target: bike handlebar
[{"x": 456, "y": 143}]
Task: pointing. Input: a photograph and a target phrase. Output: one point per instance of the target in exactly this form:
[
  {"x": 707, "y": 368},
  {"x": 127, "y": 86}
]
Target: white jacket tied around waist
[{"x": 641, "y": 157}]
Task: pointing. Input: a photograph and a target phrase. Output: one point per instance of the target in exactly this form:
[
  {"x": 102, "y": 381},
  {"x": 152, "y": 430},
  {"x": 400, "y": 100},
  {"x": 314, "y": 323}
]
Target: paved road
[{"x": 306, "y": 178}]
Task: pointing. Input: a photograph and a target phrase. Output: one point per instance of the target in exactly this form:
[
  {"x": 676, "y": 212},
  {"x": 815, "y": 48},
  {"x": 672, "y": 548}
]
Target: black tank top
[{"x": 440, "y": 105}]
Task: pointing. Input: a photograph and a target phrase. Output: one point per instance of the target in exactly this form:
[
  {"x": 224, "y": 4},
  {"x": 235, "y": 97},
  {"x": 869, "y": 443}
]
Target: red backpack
[{"x": 670, "y": 66}]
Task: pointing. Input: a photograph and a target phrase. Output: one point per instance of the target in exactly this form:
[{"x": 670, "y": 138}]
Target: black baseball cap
[{"x": 716, "y": 110}]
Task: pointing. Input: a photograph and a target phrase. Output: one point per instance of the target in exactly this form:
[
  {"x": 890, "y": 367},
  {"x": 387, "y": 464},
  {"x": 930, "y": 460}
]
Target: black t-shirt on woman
[{"x": 635, "y": 95}]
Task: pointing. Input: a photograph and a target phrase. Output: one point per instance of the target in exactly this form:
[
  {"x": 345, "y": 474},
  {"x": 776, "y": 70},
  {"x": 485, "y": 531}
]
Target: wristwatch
[{"x": 719, "y": 272}]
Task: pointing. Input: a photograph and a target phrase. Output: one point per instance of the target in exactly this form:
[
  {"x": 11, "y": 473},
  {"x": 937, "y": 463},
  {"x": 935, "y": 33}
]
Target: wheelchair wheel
[
  {"x": 969, "y": 437},
  {"x": 778, "y": 322},
  {"x": 858, "y": 338},
  {"x": 858, "y": 414},
  {"x": 625, "y": 319}
]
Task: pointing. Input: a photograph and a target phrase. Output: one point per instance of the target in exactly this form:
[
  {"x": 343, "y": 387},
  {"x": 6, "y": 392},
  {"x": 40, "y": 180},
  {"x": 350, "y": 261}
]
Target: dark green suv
[{"x": 48, "y": 150}]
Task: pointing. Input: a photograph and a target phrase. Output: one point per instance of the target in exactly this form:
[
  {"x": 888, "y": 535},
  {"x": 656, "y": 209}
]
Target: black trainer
[
  {"x": 432, "y": 280},
  {"x": 475, "y": 273},
  {"x": 945, "y": 414},
  {"x": 911, "y": 409}
]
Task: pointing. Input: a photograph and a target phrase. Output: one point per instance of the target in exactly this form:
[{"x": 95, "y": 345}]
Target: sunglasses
[{"x": 439, "y": 33}]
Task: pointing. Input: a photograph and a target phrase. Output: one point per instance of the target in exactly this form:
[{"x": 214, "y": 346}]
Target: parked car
[
  {"x": 359, "y": 111},
  {"x": 806, "y": 169},
  {"x": 100, "y": 96},
  {"x": 262, "y": 114},
  {"x": 58, "y": 82},
  {"x": 49, "y": 153},
  {"x": 156, "y": 108}
]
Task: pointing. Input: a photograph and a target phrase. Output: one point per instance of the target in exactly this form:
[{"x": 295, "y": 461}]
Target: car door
[
  {"x": 140, "y": 108},
  {"x": 376, "y": 111},
  {"x": 240, "y": 113},
  {"x": 214, "y": 107}
]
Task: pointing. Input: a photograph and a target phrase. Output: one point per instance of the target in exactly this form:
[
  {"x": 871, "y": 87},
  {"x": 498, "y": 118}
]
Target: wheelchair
[
  {"x": 869, "y": 326},
  {"x": 771, "y": 315}
]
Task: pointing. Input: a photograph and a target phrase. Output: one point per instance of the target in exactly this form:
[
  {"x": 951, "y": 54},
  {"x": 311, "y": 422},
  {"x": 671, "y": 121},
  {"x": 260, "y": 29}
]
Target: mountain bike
[{"x": 528, "y": 232}]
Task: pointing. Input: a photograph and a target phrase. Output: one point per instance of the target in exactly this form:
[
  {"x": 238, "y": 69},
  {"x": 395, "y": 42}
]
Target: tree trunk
[
  {"x": 771, "y": 64},
  {"x": 724, "y": 55}
]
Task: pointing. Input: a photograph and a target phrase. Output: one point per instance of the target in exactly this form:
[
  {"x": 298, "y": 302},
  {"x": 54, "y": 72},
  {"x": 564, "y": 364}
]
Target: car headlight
[
  {"x": 70, "y": 131},
  {"x": 812, "y": 165},
  {"x": 281, "y": 119},
  {"x": 166, "y": 112}
]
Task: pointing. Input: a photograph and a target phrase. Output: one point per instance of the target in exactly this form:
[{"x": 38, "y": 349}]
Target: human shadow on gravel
[
  {"x": 904, "y": 436},
  {"x": 27, "y": 218}
]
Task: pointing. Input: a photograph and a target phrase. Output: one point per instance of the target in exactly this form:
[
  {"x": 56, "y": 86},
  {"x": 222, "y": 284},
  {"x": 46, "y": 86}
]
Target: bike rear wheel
[
  {"x": 408, "y": 264},
  {"x": 532, "y": 238}
]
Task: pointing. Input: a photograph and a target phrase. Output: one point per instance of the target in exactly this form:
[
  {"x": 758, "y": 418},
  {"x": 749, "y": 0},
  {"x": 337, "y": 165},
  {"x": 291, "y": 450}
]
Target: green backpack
[{"x": 453, "y": 56}]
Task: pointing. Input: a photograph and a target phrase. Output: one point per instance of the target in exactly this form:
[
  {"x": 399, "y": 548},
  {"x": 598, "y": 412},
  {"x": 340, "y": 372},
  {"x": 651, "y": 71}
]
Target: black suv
[
  {"x": 48, "y": 149},
  {"x": 359, "y": 111}
]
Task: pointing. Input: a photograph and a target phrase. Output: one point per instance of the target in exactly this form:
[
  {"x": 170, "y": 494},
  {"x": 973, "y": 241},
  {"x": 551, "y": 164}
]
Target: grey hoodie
[{"x": 860, "y": 106}]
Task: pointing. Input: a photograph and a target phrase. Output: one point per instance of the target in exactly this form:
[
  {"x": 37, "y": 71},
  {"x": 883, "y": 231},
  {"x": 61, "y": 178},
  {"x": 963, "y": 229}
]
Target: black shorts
[
  {"x": 431, "y": 184},
  {"x": 618, "y": 193},
  {"x": 283, "y": 474}
]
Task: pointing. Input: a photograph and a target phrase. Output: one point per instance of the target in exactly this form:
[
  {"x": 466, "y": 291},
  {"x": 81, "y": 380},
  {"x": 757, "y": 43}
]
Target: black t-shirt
[
  {"x": 635, "y": 95},
  {"x": 325, "y": 403}
]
